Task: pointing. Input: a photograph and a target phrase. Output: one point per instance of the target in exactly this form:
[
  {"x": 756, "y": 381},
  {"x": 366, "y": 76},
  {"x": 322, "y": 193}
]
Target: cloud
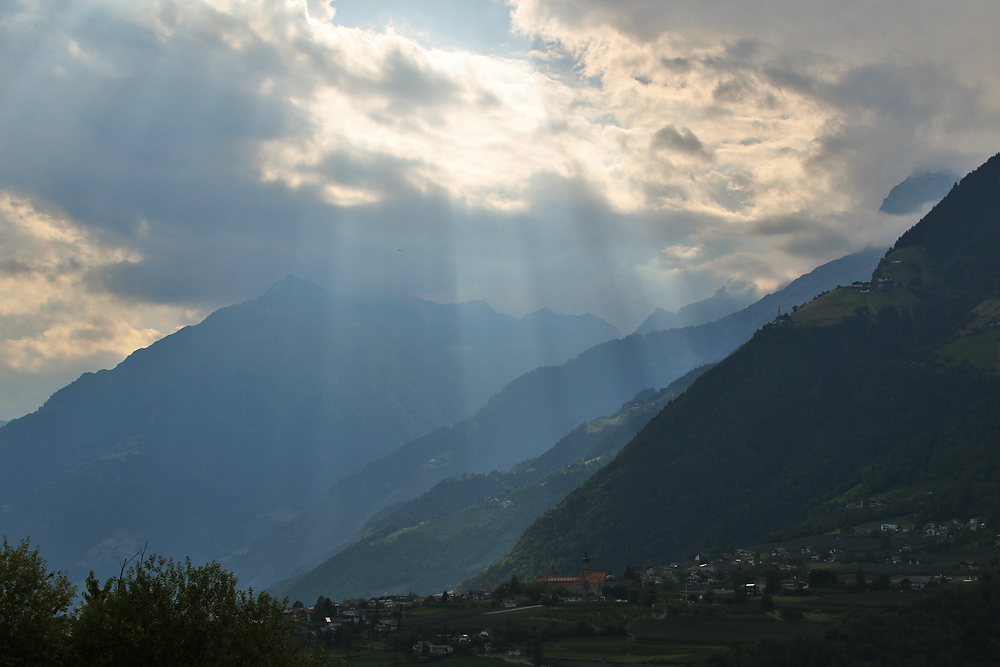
[
  {"x": 53, "y": 325},
  {"x": 607, "y": 157},
  {"x": 683, "y": 140}
]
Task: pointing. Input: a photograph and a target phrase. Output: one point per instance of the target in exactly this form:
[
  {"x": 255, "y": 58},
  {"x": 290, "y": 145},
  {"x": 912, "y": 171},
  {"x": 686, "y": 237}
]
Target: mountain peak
[
  {"x": 917, "y": 190},
  {"x": 293, "y": 288}
]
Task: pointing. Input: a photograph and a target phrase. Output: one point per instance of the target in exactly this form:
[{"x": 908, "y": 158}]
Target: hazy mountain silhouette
[
  {"x": 211, "y": 436},
  {"x": 916, "y": 191},
  {"x": 723, "y": 302},
  {"x": 521, "y": 422}
]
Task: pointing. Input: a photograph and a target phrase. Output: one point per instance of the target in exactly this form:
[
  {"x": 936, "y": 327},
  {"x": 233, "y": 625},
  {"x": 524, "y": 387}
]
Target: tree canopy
[
  {"x": 158, "y": 611},
  {"x": 34, "y": 607}
]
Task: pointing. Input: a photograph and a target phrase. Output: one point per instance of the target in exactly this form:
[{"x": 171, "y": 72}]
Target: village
[{"x": 807, "y": 580}]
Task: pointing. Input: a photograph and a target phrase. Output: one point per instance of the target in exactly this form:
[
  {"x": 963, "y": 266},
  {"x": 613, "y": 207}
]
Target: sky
[{"x": 164, "y": 158}]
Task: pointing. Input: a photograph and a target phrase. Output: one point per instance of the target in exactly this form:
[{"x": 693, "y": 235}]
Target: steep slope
[
  {"x": 808, "y": 409},
  {"x": 213, "y": 435},
  {"x": 522, "y": 421},
  {"x": 917, "y": 190},
  {"x": 465, "y": 523}
]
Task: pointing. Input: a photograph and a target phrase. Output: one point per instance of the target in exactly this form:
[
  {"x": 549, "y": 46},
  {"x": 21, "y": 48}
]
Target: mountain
[
  {"x": 886, "y": 385},
  {"x": 521, "y": 422},
  {"x": 464, "y": 524},
  {"x": 723, "y": 302},
  {"x": 213, "y": 435},
  {"x": 917, "y": 190}
]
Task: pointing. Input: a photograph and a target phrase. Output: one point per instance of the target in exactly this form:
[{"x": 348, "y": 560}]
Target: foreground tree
[
  {"x": 165, "y": 612},
  {"x": 34, "y": 605}
]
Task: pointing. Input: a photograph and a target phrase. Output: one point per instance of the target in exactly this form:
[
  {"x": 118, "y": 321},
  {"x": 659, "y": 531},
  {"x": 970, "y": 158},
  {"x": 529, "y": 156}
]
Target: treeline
[
  {"x": 157, "y": 612},
  {"x": 958, "y": 626}
]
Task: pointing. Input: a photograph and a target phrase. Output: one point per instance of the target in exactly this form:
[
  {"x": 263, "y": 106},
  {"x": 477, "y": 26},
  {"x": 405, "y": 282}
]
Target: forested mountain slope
[{"x": 851, "y": 386}]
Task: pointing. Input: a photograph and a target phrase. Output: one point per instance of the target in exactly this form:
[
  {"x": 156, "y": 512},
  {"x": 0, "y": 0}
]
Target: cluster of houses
[
  {"x": 860, "y": 503},
  {"x": 992, "y": 324},
  {"x": 932, "y": 529},
  {"x": 867, "y": 287},
  {"x": 380, "y": 615}
]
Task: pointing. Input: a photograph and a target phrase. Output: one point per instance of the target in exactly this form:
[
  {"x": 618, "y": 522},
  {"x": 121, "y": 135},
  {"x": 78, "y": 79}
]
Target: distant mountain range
[
  {"x": 723, "y": 302},
  {"x": 888, "y": 386},
  {"x": 268, "y": 434},
  {"x": 522, "y": 421},
  {"x": 206, "y": 439}
]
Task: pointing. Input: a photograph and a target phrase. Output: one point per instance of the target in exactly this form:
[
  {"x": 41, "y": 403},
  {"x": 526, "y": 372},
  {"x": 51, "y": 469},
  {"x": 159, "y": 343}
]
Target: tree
[
  {"x": 164, "y": 612},
  {"x": 822, "y": 578},
  {"x": 859, "y": 579},
  {"x": 34, "y": 605},
  {"x": 537, "y": 652}
]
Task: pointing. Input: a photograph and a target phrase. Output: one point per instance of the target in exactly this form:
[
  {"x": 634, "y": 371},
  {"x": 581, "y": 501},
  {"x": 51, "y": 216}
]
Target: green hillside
[
  {"x": 466, "y": 523},
  {"x": 866, "y": 387}
]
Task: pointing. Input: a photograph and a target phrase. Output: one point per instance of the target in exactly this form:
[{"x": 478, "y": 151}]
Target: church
[{"x": 588, "y": 584}]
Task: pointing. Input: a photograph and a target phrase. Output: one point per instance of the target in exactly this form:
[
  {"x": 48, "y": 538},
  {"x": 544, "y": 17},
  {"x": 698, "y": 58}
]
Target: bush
[{"x": 164, "y": 612}]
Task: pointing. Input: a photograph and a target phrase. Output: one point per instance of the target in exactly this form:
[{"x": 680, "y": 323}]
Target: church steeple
[{"x": 585, "y": 568}]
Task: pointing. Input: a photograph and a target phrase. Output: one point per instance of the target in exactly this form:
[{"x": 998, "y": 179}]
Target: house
[{"x": 387, "y": 625}]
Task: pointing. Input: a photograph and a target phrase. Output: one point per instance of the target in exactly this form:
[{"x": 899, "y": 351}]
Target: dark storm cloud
[
  {"x": 682, "y": 141},
  {"x": 736, "y": 89},
  {"x": 171, "y": 139},
  {"x": 410, "y": 84},
  {"x": 14, "y": 267},
  {"x": 677, "y": 64}
]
